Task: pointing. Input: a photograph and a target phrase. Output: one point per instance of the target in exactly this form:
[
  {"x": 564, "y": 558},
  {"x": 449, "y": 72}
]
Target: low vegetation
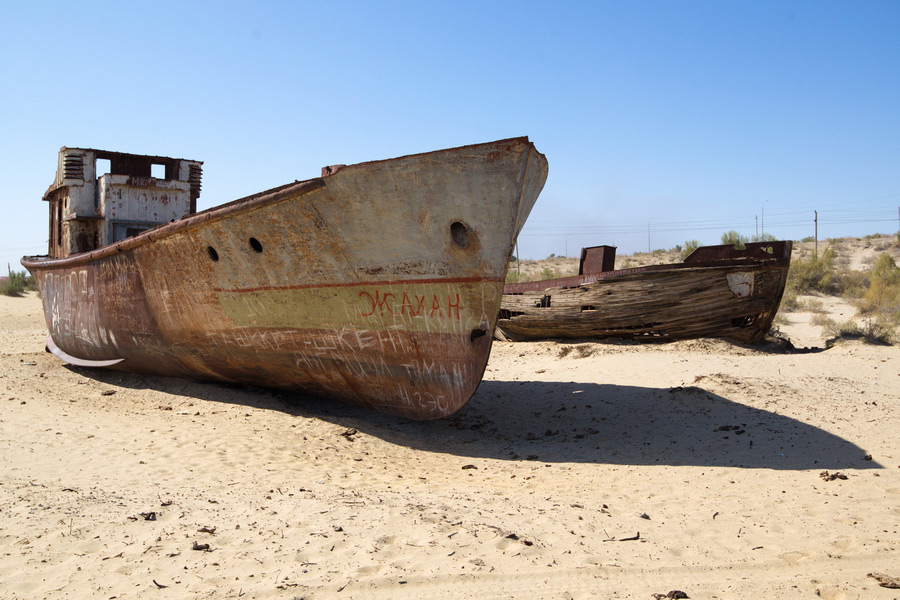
[
  {"x": 733, "y": 238},
  {"x": 17, "y": 284},
  {"x": 872, "y": 331},
  {"x": 875, "y": 293},
  {"x": 689, "y": 246}
]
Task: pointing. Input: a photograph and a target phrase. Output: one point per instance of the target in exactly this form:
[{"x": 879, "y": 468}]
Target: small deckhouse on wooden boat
[
  {"x": 718, "y": 291},
  {"x": 377, "y": 283}
]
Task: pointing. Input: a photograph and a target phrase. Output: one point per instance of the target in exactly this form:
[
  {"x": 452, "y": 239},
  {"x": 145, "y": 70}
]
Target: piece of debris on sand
[{"x": 886, "y": 580}]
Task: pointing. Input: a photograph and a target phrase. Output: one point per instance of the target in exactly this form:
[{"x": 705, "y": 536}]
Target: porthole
[
  {"x": 254, "y": 243},
  {"x": 213, "y": 255},
  {"x": 460, "y": 234}
]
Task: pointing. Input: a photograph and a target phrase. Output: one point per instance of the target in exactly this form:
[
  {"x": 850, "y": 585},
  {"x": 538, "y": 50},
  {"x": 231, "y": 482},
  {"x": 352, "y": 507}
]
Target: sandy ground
[{"x": 576, "y": 471}]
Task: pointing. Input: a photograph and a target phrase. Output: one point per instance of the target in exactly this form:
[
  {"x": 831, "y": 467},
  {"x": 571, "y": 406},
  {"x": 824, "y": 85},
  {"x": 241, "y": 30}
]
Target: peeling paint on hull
[{"x": 378, "y": 285}]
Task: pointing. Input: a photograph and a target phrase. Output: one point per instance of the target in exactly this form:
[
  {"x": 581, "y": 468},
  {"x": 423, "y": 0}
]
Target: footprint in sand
[
  {"x": 831, "y": 593},
  {"x": 792, "y": 557},
  {"x": 369, "y": 570},
  {"x": 844, "y": 543}
]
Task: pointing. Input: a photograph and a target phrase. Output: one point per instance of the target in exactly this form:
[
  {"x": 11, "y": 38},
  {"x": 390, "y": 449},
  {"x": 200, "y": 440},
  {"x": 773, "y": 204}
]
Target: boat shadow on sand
[{"x": 555, "y": 422}]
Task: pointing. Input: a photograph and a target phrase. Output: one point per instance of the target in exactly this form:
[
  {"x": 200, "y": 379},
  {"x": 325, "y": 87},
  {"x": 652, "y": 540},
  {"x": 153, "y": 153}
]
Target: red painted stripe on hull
[{"x": 365, "y": 283}]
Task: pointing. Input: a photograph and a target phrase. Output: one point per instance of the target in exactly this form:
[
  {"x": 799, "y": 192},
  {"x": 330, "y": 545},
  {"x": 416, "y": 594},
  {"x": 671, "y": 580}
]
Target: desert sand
[{"x": 578, "y": 470}]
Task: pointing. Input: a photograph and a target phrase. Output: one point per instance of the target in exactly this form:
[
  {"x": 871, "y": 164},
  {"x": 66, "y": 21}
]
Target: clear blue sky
[{"x": 663, "y": 121}]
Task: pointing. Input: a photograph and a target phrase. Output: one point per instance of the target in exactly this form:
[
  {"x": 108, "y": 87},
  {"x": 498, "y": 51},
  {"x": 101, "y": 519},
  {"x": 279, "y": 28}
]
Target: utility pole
[
  {"x": 518, "y": 259},
  {"x": 816, "y": 221},
  {"x": 756, "y": 220},
  {"x": 648, "y": 235}
]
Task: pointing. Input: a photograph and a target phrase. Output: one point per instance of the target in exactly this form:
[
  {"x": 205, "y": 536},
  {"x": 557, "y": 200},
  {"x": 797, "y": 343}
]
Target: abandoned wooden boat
[
  {"x": 718, "y": 291},
  {"x": 377, "y": 283}
]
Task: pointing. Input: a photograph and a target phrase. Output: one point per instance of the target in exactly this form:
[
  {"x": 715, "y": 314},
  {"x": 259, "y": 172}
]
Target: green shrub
[
  {"x": 853, "y": 284},
  {"x": 814, "y": 305},
  {"x": 733, "y": 238},
  {"x": 873, "y": 331},
  {"x": 882, "y": 298},
  {"x": 512, "y": 276},
  {"x": 549, "y": 273},
  {"x": 689, "y": 246},
  {"x": 18, "y": 282},
  {"x": 813, "y": 274}
]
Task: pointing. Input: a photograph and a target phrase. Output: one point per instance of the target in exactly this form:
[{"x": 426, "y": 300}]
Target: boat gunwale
[
  {"x": 169, "y": 229},
  {"x": 573, "y": 281}
]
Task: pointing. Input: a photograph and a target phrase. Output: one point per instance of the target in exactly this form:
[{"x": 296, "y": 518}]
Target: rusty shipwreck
[
  {"x": 377, "y": 284},
  {"x": 718, "y": 291}
]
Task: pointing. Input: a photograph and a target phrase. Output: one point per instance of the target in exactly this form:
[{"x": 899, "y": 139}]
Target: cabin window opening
[
  {"x": 213, "y": 255},
  {"x": 58, "y": 224},
  {"x": 544, "y": 303},
  {"x": 158, "y": 171},
  {"x": 254, "y": 243},
  {"x": 102, "y": 166},
  {"x": 588, "y": 307}
]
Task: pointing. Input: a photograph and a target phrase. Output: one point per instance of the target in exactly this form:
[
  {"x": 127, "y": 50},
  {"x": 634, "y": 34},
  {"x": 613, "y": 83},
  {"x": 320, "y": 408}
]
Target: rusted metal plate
[
  {"x": 597, "y": 259},
  {"x": 733, "y": 294},
  {"x": 379, "y": 284}
]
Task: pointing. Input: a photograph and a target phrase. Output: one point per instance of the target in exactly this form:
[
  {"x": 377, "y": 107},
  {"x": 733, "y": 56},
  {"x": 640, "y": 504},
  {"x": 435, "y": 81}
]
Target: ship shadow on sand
[{"x": 556, "y": 422}]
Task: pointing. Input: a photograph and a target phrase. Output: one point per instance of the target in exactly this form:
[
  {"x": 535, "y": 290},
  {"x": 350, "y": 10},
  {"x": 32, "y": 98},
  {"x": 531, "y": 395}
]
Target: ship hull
[
  {"x": 733, "y": 294},
  {"x": 378, "y": 285}
]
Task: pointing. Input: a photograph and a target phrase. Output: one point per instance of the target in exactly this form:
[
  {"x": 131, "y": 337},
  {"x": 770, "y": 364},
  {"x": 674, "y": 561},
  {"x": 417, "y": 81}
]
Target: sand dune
[{"x": 577, "y": 471}]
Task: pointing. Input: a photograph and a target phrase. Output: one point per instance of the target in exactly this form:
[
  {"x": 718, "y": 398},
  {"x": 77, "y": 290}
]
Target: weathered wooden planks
[{"x": 733, "y": 297}]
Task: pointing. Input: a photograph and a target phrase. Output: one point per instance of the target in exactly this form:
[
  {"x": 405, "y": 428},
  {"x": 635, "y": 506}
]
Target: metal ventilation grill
[
  {"x": 73, "y": 166},
  {"x": 194, "y": 177}
]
